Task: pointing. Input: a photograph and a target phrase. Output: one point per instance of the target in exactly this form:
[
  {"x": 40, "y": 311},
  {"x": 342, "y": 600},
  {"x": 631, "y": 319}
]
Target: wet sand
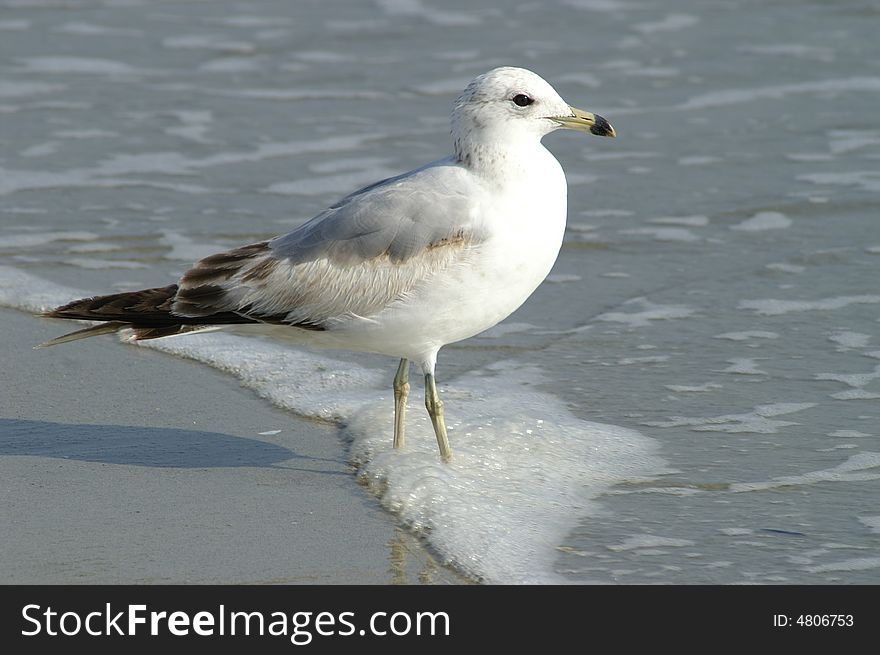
[{"x": 125, "y": 465}]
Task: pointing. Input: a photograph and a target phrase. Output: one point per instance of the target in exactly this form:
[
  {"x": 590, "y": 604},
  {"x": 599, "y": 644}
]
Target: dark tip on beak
[{"x": 602, "y": 127}]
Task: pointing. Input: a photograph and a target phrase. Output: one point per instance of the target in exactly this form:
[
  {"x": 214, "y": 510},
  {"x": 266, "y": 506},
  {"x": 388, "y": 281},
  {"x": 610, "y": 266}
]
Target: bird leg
[
  {"x": 435, "y": 411},
  {"x": 401, "y": 391}
]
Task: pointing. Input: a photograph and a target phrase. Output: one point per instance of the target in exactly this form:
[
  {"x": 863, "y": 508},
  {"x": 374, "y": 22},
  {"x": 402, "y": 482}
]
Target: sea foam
[{"x": 526, "y": 471}]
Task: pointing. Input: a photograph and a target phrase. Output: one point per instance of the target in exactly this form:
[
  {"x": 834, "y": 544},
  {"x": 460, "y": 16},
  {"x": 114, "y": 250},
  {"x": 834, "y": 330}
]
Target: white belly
[{"x": 480, "y": 290}]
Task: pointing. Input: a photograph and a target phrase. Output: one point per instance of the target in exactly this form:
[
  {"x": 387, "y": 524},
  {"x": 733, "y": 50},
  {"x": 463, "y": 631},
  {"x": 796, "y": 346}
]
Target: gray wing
[
  {"x": 399, "y": 218},
  {"x": 352, "y": 260}
]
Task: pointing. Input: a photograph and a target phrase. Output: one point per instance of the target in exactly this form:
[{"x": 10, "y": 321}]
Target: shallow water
[{"x": 715, "y": 305}]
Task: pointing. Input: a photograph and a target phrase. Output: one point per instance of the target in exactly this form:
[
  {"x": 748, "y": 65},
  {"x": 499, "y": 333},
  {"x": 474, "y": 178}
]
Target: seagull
[{"x": 401, "y": 267}]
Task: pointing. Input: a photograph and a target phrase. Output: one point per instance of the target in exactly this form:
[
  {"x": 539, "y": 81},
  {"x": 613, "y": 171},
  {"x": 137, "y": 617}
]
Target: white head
[{"x": 509, "y": 104}]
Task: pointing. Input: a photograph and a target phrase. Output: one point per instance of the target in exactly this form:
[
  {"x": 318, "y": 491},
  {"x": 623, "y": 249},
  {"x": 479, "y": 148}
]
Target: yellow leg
[
  {"x": 435, "y": 411},
  {"x": 401, "y": 391}
]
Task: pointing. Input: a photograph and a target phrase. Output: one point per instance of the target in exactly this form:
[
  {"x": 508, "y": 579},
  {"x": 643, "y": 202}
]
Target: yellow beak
[{"x": 585, "y": 121}]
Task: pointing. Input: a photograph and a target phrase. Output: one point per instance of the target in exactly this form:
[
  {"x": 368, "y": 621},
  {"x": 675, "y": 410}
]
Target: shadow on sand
[{"x": 137, "y": 446}]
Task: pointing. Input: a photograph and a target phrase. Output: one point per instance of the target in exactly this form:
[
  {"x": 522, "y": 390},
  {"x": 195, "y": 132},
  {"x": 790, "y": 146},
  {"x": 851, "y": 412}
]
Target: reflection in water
[{"x": 404, "y": 556}]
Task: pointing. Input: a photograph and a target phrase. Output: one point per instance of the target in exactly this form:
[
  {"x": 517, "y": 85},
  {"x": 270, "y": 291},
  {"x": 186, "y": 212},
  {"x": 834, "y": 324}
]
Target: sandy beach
[{"x": 124, "y": 465}]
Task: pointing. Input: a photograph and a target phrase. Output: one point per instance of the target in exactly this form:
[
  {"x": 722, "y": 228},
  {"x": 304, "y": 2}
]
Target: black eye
[{"x": 522, "y": 100}]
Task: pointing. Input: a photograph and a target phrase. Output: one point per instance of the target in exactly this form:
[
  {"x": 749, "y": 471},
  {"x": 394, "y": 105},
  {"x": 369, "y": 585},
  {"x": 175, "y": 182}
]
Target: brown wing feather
[
  {"x": 251, "y": 284},
  {"x": 148, "y": 313},
  {"x": 147, "y": 306}
]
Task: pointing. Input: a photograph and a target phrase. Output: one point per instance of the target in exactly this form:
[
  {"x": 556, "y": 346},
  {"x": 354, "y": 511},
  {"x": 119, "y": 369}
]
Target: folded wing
[
  {"x": 362, "y": 254},
  {"x": 354, "y": 259}
]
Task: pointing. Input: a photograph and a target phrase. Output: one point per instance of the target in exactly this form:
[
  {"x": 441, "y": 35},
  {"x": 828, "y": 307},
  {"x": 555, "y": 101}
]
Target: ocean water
[{"x": 693, "y": 396}]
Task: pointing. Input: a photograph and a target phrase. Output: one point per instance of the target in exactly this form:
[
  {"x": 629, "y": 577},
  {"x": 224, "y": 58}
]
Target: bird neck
[{"x": 503, "y": 160}]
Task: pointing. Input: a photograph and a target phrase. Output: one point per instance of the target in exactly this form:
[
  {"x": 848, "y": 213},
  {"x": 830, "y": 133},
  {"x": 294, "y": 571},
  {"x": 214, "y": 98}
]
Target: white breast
[{"x": 525, "y": 226}]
